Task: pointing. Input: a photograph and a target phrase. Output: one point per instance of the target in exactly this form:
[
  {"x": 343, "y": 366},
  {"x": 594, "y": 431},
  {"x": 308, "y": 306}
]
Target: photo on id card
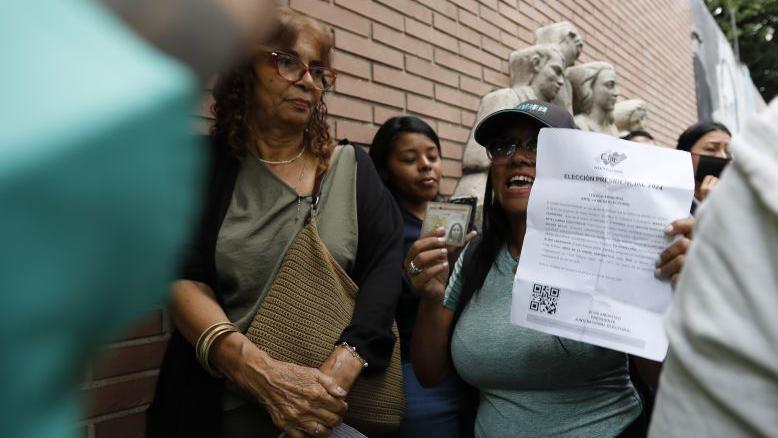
[{"x": 454, "y": 218}]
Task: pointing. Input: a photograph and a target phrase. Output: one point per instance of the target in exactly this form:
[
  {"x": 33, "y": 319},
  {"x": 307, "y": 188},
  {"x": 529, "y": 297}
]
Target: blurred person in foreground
[
  {"x": 406, "y": 152},
  {"x": 274, "y": 163},
  {"x": 98, "y": 170},
  {"x": 530, "y": 383},
  {"x": 707, "y": 142},
  {"x": 720, "y": 377},
  {"x": 206, "y": 35}
]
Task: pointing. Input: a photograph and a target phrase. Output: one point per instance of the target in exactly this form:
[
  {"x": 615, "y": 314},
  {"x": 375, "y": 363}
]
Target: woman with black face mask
[{"x": 708, "y": 142}]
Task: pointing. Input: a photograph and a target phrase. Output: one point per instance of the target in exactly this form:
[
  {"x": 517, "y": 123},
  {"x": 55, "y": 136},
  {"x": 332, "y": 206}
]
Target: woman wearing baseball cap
[{"x": 530, "y": 383}]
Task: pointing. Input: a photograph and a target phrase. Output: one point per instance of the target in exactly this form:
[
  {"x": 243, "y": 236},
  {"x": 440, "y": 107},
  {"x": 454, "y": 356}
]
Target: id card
[{"x": 454, "y": 218}]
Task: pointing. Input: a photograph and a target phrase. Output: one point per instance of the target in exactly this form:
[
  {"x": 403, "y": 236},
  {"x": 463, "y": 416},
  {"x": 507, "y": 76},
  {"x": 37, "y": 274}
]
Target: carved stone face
[
  {"x": 604, "y": 92},
  {"x": 550, "y": 78},
  {"x": 637, "y": 119},
  {"x": 571, "y": 45}
]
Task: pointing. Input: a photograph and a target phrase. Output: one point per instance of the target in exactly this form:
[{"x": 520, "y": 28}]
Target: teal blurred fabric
[{"x": 99, "y": 173}]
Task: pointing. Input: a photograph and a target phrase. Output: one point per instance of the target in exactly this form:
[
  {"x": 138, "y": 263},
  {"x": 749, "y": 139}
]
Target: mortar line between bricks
[
  {"x": 120, "y": 379},
  {"x": 114, "y": 415},
  {"x": 137, "y": 341}
]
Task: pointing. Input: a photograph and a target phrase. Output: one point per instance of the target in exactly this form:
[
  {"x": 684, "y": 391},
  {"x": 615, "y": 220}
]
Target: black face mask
[{"x": 710, "y": 166}]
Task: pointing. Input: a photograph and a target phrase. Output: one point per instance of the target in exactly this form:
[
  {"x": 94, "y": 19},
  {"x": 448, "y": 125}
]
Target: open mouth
[{"x": 520, "y": 181}]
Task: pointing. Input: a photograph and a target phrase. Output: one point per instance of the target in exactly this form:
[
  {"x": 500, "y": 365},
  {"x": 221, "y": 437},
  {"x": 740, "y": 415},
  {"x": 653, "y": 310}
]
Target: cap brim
[{"x": 496, "y": 122}]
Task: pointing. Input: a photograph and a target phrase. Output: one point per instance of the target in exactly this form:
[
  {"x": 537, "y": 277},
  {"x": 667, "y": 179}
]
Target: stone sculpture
[
  {"x": 566, "y": 36},
  {"x": 594, "y": 96},
  {"x": 630, "y": 115},
  {"x": 536, "y": 72}
]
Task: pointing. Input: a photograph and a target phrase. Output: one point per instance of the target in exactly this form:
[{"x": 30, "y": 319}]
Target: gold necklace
[{"x": 289, "y": 161}]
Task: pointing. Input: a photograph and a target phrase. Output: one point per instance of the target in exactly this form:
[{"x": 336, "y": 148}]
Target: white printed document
[{"x": 595, "y": 228}]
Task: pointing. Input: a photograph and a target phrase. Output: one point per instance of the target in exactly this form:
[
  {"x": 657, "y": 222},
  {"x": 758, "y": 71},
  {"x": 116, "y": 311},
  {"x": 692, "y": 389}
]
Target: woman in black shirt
[{"x": 406, "y": 152}]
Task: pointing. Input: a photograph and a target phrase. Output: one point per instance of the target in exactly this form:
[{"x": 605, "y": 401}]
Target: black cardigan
[{"x": 187, "y": 400}]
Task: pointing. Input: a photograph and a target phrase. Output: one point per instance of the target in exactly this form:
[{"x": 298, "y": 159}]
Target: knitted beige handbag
[{"x": 303, "y": 314}]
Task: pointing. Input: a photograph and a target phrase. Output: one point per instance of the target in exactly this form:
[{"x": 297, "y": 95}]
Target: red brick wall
[
  {"x": 435, "y": 58},
  {"x": 119, "y": 384}
]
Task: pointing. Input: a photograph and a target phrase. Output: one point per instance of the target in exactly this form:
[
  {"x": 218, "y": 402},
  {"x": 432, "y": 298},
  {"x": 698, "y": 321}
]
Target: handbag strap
[{"x": 316, "y": 193}]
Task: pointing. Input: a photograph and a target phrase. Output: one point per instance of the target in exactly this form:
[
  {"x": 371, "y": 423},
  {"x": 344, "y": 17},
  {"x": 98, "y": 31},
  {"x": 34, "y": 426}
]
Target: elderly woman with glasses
[
  {"x": 530, "y": 383},
  {"x": 273, "y": 158}
]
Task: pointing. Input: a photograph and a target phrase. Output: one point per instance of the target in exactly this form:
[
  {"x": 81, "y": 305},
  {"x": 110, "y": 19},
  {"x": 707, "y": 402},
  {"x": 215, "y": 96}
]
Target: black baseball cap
[{"x": 546, "y": 114}]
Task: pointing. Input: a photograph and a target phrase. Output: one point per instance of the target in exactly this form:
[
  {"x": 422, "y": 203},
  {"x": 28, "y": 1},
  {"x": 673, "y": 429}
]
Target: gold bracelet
[
  {"x": 210, "y": 338},
  {"x": 203, "y": 335},
  {"x": 214, "y": 335},
  {"x": 204, "y": 342},
  {"x": 351, "y": 349},
  {"x": 206, "y": 339}
]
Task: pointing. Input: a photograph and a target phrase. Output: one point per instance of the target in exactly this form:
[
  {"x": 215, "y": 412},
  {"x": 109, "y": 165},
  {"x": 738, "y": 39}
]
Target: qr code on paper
[{"x": 544, "y": 299}]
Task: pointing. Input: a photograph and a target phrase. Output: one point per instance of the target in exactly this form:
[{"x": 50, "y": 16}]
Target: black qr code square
[{"x": 544, "y": 299}]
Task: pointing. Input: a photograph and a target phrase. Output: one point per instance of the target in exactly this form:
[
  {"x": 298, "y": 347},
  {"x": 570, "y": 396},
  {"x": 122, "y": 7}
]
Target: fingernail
[
  {"x": 669, "y": 229},
  {"x": 341, "y": 392},
  {"x": 445, "y": 264},
  {"x": 440, "y": 229},
  {"x": 441, "y": 239},
  {"x": 658, "y": 263},
  {"x": 658, "y": 273},
  {"x": 443, "y": 251}
]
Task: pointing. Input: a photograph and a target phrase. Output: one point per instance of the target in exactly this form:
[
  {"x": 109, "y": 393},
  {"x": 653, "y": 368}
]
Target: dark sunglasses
[{"x": 501, "y": 150}]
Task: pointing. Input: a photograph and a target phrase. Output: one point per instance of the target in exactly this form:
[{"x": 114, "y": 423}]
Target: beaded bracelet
[
  {"x": 351, "y": 349},
  {"x": 207, "y": 338}
]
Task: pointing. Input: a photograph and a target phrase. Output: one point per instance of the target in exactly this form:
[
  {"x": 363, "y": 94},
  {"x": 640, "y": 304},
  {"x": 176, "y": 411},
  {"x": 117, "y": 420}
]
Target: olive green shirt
[{"x": 264, "y": 216}]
